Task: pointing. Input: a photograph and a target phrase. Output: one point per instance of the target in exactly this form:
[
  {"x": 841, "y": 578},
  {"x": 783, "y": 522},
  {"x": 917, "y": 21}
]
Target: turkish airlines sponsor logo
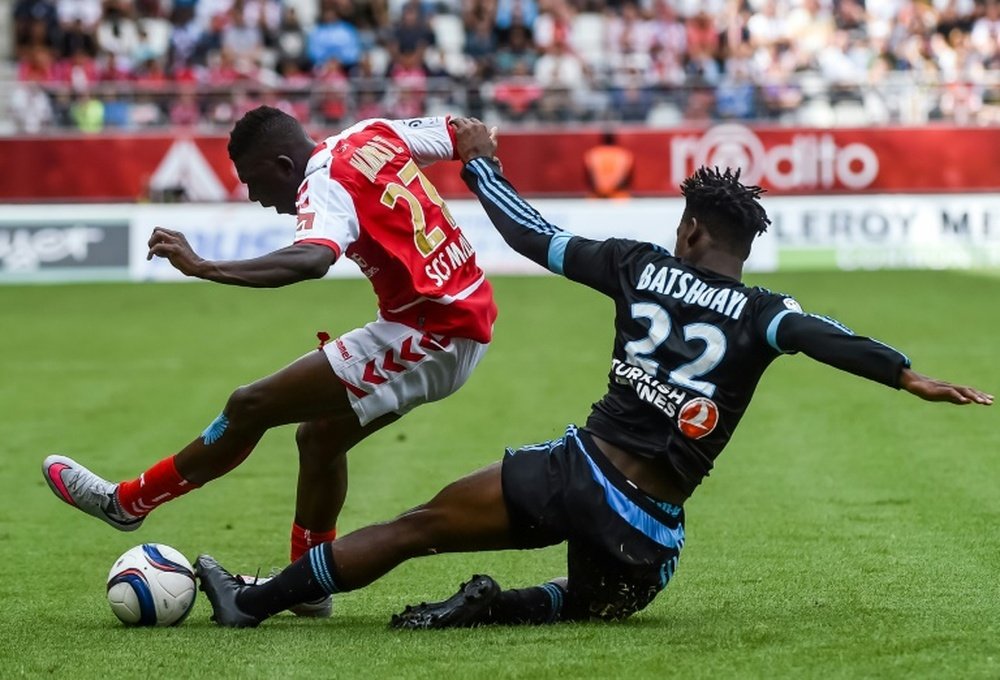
[
  {"x": 698, "y": 418},
  {"x": 811, "y": 160}
]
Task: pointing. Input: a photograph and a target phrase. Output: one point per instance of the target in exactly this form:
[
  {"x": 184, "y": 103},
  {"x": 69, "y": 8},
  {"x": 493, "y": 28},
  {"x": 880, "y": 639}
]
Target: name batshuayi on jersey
[
  {"x": 690, "y": 344},
  {"x": 690, "y": 348},
  {"x": 365, "y": 197}
]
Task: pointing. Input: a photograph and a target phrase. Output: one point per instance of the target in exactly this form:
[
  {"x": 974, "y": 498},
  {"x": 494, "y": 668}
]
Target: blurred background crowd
[{"x": 91, "y": 65}]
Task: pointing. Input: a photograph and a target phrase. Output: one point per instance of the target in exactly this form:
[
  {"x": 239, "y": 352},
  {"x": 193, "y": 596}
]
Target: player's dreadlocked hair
[
  {"x": 256, "y": 125},
  {"x": 727, "y": 208}
]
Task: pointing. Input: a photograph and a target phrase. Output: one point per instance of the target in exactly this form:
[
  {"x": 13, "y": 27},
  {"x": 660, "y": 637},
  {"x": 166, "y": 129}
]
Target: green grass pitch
[{"x": 848, "y": 531}]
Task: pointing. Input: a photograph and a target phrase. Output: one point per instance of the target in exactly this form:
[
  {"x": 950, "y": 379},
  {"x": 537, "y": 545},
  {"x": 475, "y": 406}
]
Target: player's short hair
[
  {"x": 731, "y": 211},
  {"x": 257, "y": 125}
]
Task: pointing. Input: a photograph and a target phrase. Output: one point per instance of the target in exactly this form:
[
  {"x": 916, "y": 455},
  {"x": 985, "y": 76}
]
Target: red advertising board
[{"x": 541, "y": 163}]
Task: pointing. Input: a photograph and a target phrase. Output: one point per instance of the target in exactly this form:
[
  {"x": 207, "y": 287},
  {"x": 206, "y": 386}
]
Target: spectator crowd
[{"x": 97, "y": 64}]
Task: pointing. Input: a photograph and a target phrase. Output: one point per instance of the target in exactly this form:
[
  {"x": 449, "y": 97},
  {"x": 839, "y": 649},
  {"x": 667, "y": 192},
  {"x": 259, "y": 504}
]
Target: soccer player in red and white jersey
[{"x": 359, "y": 194}]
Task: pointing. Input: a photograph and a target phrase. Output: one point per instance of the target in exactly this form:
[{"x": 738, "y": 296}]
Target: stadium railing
[{"x": 808, "y": 100}]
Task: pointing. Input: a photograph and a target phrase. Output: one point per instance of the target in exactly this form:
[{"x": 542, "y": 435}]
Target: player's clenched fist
[
  {"x": 473, "y": 139},
  {"x": 173, "y": 246}
]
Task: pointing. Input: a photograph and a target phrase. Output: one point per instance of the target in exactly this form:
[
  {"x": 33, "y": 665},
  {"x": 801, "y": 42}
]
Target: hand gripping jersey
[
  {"x": 690, "y": 344},
  {"x": 364, "y": 196}
]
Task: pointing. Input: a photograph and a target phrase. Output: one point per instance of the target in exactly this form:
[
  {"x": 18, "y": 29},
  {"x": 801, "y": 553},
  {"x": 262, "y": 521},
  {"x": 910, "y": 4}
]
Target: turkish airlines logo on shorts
[
  {"x": 810, "y": 160},
  {"x": 698, "y": 418}
]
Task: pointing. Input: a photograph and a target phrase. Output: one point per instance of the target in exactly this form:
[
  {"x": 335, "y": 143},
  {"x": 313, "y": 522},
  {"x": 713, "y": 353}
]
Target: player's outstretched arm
[
  {"x": 593, "y": 263},
  {"x": 931, "y": 389},
  {"x": 520, "y": 225},
  {"x": 828, "y": 341},
  {"x": 295, "y": 263}
]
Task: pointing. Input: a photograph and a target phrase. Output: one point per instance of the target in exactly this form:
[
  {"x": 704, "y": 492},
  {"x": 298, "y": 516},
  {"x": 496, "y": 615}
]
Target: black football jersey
[{"x": 690, "y": 344}]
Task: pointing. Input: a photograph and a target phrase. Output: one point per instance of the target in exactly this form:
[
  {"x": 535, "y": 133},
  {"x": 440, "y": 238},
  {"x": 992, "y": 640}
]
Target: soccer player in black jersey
[{"x": 691, "y": 343}]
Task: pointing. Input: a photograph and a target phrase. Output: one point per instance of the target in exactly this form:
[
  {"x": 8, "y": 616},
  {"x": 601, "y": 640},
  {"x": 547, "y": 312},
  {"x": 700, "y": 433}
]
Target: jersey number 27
[{"x": 426, "y": 240}]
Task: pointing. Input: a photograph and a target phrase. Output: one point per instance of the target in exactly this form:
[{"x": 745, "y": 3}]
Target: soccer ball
[{"x": 151, "y": 585}]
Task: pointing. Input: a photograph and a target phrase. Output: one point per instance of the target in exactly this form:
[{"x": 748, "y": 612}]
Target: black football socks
[
  {"x": 535, "y": 605},
  {"x": 309, "y": 578}
]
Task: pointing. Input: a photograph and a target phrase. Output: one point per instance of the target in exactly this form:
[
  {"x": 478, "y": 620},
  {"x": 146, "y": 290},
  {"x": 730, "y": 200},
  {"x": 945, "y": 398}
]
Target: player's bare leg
[
  {"x": 322, "y": 487},
  {"x": 467, "y": 515},
  {"x": 305, "y": 390},
  {"x": 323, "y": 445}
]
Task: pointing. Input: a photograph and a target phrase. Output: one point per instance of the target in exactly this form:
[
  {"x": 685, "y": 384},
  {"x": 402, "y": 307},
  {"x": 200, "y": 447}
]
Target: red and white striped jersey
[{"x": 364, "y": 196}]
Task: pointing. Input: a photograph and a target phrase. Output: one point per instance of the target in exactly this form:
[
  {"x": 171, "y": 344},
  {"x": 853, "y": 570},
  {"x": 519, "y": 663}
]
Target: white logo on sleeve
[
  {"x": 792, "y": 304},
  {"x": 424, "y": 122}
]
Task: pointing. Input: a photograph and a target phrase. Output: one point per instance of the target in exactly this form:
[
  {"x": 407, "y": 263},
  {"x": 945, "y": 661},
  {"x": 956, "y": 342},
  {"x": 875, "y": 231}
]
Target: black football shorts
[{"x": 623, "y": 545}]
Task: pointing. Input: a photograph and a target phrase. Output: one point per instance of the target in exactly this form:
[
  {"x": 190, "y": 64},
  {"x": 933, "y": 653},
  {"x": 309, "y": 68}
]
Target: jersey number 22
[{"x": 638, "y": 352}]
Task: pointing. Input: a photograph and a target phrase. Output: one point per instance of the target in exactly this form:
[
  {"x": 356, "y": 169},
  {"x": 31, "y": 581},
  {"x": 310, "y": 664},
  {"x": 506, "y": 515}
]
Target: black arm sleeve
[
  {"x": 592, "y": 263},
  {"x": 826, "y": 340},
  {"x": 597, "y": 264},
  {"x": 520, "y": 225}
]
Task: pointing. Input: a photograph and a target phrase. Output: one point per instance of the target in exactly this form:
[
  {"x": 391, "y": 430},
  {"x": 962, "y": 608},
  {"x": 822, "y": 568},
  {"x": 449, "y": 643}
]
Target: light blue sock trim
[
  {"x": 215, "y": 430},
  {"x": 317, "y": 571},
  {"x": 321, "y": 570},
  {"x": 555, "y": 594}
]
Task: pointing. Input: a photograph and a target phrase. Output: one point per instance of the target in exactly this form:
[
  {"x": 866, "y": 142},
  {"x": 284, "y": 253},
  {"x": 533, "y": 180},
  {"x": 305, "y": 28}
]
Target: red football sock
[
  {"x": 303, "y": 539},
  {"x": 154, "y": 487}
]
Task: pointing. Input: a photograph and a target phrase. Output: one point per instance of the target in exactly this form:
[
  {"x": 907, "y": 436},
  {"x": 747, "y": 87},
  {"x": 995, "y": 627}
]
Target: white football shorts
[{"x": 389, "y": 367}]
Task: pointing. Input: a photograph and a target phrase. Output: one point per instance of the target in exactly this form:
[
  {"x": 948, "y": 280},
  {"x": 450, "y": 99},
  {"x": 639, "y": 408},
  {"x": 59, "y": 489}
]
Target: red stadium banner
[{"x": 786, "y": 161}]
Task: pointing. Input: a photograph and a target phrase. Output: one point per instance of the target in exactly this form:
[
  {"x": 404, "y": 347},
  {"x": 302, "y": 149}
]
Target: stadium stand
[{"x": 92, "y": 65}]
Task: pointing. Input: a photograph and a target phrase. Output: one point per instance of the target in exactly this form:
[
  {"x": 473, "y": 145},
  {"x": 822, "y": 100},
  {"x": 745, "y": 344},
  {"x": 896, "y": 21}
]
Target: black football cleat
[
  {"x": 465, "y": 609},
  {"x": 221, "y": 588}
]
